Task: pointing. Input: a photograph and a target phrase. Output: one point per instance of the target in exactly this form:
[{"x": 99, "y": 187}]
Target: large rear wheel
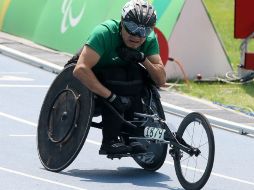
[{"x": 64, "y": 121}]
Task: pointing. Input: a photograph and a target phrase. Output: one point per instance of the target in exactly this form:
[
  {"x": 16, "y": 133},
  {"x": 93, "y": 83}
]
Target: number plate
[{"x": 154, "y": 133}]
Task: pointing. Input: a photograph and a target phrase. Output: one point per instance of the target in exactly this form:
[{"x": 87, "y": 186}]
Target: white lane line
[
  {"x": 22, "y": 86},
  {"x": 40, "y": 179},
  {"x": 215, "y": 174},
  {"x": 87, "y": 140},
  {"x": 14, "y": 78},
  {"x": 97, "y": 143},
  {"x": 18, "y": 119},
  {"x": 22, "y": 135},
  {"x": 233, "y": 178},
  {"x": 8, "y": 73}
]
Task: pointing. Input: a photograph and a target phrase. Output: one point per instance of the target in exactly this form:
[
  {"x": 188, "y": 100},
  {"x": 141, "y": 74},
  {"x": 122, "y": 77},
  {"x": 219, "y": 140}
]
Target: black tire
[
  {"x": 205, "y": 140},
  {"x": 60, "y": 137},
  {"x": 154, "y": 161}
]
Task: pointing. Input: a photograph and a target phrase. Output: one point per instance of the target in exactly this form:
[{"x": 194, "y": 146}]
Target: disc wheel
[
  {"x": 64, "y": 121},
  {"x": 193, "y": 171},
  {"x": 63, "y": 116},
  {"x": 156, "y": 153}
]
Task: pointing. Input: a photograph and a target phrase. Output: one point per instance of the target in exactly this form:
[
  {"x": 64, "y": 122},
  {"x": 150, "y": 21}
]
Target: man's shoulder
[
  {"x": 112, "y": 25},
  {"x": 111, "y": 22},
  {"x": 107, "y": 27},
  {"x": 151, "y": 36}
]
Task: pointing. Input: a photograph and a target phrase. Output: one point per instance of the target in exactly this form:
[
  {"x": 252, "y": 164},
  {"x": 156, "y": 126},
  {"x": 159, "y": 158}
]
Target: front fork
[{"x": 179, "y": 144}]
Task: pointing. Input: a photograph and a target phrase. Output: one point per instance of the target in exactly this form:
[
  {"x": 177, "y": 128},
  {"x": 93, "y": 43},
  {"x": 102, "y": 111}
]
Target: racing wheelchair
[{"x": 67, "y": 114}]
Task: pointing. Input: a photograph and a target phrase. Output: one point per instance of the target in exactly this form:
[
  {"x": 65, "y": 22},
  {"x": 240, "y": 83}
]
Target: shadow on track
[{"x": 138, "y": 177}]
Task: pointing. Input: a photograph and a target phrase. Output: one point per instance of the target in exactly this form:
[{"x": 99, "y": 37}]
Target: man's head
[{"x": 138, "y": 20}]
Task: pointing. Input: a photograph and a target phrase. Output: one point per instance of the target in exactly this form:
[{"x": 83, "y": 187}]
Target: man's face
[{"x": 132, "y": 41}]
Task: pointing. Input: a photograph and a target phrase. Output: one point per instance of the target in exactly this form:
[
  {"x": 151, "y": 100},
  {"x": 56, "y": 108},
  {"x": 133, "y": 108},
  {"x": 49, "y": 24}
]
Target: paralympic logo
[{"x": 68, "y": 19}]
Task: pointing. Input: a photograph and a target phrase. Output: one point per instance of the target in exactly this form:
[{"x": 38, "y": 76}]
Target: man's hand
[
  {"x": 119, "y": 103},
  {"x": 130, "y": 55}
]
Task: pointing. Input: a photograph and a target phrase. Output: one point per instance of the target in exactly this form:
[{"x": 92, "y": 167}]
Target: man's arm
[
  {"x": 152, "y": 63},
  {"x": 155, "y": 68},
  {"x": 83, "y": 71}
]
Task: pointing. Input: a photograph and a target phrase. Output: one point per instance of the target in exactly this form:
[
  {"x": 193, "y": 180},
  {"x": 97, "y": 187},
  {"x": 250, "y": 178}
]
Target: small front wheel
[{"x": 193, "y": 171}]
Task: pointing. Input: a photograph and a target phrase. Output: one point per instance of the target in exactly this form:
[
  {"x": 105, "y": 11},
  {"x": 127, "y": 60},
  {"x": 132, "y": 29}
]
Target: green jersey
[{"x": 105, "y": 38}]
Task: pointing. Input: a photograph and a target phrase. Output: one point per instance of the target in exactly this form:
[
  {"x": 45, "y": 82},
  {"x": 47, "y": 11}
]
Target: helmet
[
  {"x": 138, "y": 17},
  {"x": 140, "y": 12}
]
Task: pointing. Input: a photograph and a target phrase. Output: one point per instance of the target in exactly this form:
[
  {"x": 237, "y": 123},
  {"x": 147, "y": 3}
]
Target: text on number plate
[{"x": 154, "y": 133}]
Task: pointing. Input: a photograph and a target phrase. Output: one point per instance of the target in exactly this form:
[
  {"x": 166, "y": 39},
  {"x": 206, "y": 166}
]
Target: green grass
[
  {"x": 235, "y": 95},
  {"x": 222, "y": 16}
]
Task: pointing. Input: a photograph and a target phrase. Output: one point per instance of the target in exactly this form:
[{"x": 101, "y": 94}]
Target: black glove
[
  {"x": 130, "y": 55},
  {"x": 118, "y": 102}
]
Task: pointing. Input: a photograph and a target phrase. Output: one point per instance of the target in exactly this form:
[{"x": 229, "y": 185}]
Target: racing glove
[
  {"x": 130, "y": 55},
  {"x": 118, "y": 102}
]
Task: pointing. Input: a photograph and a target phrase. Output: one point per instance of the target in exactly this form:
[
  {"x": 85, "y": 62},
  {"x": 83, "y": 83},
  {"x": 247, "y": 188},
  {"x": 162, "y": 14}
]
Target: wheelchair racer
[{"x": 111, "y": 64}]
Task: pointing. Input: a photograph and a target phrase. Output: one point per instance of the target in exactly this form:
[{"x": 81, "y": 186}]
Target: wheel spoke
[
  {"x": 185, "y": 159},
  {"x": 191, "y": 135},
  {"x": 193, "y": 129},
  {"x": 201, "y": 137},
  {"x": 203, "y": 157},
  {"x": 187, "y": 167},
  {"x": 188, "y": 132},
  {"x": 203, "y": 144},
  {"x": 196, "y": 160}
]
